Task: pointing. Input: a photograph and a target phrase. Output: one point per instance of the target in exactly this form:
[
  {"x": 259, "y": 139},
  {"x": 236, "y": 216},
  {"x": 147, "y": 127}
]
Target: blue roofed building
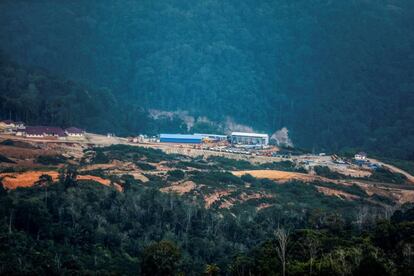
[{"x": 181, "y": 138}]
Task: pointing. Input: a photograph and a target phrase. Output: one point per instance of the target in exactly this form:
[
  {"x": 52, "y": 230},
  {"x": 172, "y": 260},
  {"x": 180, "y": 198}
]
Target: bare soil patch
[
  {"x": 395, "y": 170},
  {"x": 211, "y": 198},
  {"x": 230, "y": 200},
  {"x": 351, "y": 171},
  {"x": 180, "y": 188},
  {"x": 332, "y": 192},
  {"x": 115, "y": 164},
  {"x": 263, "y": 206},
  {"x": 28, "y": 179},
  {"x": 23, "y": 153},
  {"x": 245, "y": 197},
  {"x": 25, "y": 179},
  {"x": 280, "y": 176}
]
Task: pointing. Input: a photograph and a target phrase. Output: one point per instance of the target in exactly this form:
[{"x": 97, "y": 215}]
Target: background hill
[
  {"x": 338, "y": 74},
  {"x": 38, "y": 97}
]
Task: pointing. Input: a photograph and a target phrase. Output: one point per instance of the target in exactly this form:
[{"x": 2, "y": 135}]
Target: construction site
[
  {"x": 255, "y": 148},
  {"x": 221, "y": 146}
]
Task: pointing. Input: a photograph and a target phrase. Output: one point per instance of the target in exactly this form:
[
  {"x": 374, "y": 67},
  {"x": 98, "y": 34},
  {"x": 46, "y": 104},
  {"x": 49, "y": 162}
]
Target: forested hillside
[
  {"x": 123, "y": 209},
  {"x": 80, "y": 227},
  {"x": 338, "y": 74},
  {"x": 37, "y": 97}
]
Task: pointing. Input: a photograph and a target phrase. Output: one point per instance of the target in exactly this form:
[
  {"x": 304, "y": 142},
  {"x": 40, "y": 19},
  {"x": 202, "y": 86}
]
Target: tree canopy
[{"x": 337, "y": 74}]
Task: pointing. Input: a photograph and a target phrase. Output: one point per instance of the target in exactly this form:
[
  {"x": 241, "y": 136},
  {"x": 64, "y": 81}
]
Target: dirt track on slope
[{"x": 395, "y": 170}]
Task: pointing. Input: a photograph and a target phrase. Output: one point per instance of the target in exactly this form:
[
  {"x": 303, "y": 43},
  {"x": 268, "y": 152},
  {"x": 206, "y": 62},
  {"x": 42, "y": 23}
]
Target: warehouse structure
[
  {"x": 181, "y": 138},
  {"x": 212, "y": 137},
  {"x": 245, "y": 138}
]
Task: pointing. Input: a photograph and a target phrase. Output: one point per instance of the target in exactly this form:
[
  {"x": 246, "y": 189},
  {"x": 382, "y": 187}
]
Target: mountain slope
[
  {"x": 338, "y": 74},
  {"x": 62, "y": 221},
  {"x": 38, "y": 97}
]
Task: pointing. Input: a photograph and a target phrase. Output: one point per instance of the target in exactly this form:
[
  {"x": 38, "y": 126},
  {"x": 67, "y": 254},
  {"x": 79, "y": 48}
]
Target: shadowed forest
[{"x": 337, "y": 74}]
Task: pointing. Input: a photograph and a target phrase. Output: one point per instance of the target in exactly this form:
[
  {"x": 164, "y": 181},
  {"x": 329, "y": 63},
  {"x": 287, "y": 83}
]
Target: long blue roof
[{"x": 180, "y": 136}]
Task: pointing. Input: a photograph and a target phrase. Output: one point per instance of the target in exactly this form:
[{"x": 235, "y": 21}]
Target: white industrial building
[
  {"x": 245, "y": 138},
  {"x": 360, "y": 156}
]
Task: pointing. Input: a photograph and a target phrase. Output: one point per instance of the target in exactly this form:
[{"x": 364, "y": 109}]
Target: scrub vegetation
[
  {"x": 195, "y": 218},
  {"x": 81, "y": 227}
]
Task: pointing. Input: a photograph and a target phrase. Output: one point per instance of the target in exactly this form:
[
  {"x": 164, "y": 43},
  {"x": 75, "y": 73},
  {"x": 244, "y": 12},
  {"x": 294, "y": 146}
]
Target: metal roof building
[
  {"x": 45, "y": 130},
  {"x": 181, "y": 138},
  {"x": 216, "y": 137},
  {"x": 247, "y": 138}
]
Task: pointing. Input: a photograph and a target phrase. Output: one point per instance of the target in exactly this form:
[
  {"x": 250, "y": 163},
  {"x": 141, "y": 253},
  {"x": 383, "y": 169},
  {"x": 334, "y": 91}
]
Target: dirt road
[
  {"x": 394, "y": 169},
  {"x": 90, "y": 138}
]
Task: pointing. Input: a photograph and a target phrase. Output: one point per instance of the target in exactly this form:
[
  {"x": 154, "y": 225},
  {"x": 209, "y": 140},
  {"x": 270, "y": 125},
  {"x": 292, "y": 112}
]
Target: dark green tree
[{"x": 161, "y": 259}]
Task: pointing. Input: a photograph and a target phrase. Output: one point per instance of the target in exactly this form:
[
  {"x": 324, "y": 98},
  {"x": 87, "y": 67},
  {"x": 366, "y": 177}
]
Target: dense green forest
[
  {"x": 38, "y": 97},
  {"x": 79, "y": 227},
  {"x": 337, "y": 74}
]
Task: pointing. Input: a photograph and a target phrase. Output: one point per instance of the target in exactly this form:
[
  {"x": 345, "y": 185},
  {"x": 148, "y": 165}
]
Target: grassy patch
[
  {"x": 175, "y": 175},
  {"x": 328, "y": 173},
  {"x": 386, "y": 176},
  {"x": 19, "y": 144},
  {"x": 97, "y": 172},
  {"x": 406, "y": 165},
  {"x": 130, "y": 153},
  {"x": 231, "y": 164},
  {"x": 9, "y": 170},
  {"x": 354, "y": 189},
  {"x": 4, "y": 159},
  {"x": 145, "y": 166},
  {"x": 196, "y": 164},
  {"x": 50, "y": 159},
  {"x": 216, "y": 179},
  {"x": 287, "y": 166}
]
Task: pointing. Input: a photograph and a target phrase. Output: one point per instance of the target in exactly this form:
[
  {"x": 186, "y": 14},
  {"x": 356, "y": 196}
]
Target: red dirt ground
[{"x": 28, "y": 179}]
